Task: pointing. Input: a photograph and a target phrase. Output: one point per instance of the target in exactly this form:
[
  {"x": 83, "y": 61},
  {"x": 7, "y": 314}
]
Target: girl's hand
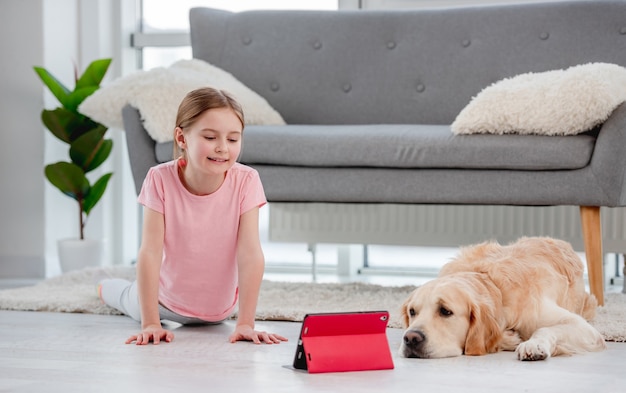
[
  {"x": 247, "y": 333},
  {"x": 153, "y": 333}
]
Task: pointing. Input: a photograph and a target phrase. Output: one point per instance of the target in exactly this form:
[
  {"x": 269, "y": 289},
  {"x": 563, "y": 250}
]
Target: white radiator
[{"x": 435, "y": 225}]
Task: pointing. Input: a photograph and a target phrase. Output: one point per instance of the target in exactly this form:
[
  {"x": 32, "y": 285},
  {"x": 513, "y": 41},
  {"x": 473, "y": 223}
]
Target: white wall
[
  {"x": 56, "y": 34},
  {"x": 21, "y": 140}
]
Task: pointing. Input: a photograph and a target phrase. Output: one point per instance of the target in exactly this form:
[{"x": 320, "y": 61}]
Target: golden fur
[{"x": 528, "y": 296}]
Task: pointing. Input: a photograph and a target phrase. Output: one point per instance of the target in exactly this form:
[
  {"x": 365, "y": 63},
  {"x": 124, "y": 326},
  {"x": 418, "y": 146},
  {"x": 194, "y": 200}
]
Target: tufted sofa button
[
  {"x": 317, "y": 45},
  {"x": 544, "y": 36},
  {"x": 246, "y": 40},
  {"x": 347, "y": 87},
  {"x": 622, "y": 31},
  {"x": 420, "y": 87},
  {"x": 274, "y": 86},
  {"x": 466, "y": 43},
  {"x": 391, "y": 45}
]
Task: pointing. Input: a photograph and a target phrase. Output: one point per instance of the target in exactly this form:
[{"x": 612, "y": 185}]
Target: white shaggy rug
[{"x": 279, "y": 301}]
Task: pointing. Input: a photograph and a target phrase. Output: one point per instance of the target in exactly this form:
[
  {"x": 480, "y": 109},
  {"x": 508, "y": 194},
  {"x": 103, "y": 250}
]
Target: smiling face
[{"x": 212, "y": 145}]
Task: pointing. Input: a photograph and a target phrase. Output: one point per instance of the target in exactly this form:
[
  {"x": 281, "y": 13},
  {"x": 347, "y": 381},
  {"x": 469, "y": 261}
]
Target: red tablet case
[{"x": 354, "y": 341}]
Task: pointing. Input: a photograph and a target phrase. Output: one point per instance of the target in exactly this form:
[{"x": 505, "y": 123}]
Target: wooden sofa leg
[{"x": 592, "y": 237}]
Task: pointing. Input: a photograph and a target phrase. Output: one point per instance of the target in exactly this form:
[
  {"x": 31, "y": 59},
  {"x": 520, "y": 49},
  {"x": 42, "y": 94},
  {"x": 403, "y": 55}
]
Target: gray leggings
[{"x": 122, "y": 295}]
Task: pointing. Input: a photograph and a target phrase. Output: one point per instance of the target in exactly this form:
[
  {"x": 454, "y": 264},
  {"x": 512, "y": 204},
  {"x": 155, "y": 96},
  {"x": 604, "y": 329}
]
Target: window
[{"x": 164, "y": 36}]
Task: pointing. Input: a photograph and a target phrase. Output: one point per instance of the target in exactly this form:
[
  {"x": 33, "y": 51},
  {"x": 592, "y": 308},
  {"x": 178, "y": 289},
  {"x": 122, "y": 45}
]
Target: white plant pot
[{"x": 77, "y": 254}]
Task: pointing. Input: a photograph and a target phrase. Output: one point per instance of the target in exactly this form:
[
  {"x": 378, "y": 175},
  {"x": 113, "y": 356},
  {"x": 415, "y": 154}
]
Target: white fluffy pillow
[
  {"x": 559, "y": 102},
  {"x": 157, "y": 93}
]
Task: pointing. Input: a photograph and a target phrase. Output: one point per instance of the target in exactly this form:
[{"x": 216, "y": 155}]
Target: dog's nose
[{"x": 414, "y": 338}]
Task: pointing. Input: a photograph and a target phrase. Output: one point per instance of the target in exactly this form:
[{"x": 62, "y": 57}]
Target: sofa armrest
[
  {"x": 608, "y": 163},
  {"x": 140, "y": 146}
]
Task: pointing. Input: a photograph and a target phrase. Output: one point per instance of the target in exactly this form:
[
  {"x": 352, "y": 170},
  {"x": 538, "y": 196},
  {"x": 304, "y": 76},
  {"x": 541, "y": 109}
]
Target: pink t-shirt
[{"x": 199, "y": 270}]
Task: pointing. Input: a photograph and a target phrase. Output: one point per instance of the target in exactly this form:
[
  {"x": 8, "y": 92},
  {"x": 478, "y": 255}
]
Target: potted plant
[{"x": 88, "y": 149}]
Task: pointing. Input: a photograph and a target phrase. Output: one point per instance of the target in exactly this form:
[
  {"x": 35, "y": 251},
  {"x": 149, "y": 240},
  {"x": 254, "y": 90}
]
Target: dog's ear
[
  {"x": 485, "y": 332},
  {"x": 404, "y": 311}
]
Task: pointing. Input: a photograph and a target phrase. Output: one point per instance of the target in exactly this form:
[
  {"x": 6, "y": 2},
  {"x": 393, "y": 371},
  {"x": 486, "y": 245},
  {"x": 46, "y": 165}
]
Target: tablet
[{"x": 349, "y": 341}]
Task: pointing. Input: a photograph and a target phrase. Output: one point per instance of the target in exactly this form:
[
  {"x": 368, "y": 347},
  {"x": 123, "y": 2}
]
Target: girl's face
[{"x": 212, "y": 143}]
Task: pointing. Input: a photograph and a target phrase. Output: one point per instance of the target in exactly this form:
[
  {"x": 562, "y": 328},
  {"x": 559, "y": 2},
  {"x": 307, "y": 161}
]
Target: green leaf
[
  {"x": 94, "y": 74},
  {"x": 54, "y": 85},
  {"x": 66, "y": 125},
  {"x": 82, "y": 125},
  {"x": 96, "y": 192},
  {"x": 100, "y": 155},
  {"x": 58, "y": 122},
  {"x": 90, "y": 150},
  {"x": 75, "y": 98},
  {"x": 68, "y": 178}
]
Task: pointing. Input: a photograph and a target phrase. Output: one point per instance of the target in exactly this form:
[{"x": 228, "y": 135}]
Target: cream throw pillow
[
  {"x": 559, "y": 102},
  {"x": 157, "y": 93}
]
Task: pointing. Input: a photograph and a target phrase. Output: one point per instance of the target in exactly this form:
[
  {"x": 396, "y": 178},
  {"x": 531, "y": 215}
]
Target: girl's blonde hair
[{"x": 197, "y": 102}]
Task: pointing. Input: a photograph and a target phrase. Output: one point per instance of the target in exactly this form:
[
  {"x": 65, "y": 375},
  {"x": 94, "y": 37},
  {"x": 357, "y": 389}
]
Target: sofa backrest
[{"x": 416, "y": 66}]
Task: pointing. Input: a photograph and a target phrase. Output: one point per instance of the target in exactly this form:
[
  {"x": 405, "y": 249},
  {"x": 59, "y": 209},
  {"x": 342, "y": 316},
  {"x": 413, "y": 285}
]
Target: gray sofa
[{"x": 369, "y": 97}]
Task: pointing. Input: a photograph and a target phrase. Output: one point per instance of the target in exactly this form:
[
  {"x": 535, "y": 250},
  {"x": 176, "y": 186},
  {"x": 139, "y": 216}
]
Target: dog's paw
[
  {"x": 510, "y": 340},
  {"x": 533, "y": 350}
]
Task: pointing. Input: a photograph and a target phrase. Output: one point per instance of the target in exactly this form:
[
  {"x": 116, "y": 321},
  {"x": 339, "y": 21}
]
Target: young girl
[{"x": 200, "y": 252}]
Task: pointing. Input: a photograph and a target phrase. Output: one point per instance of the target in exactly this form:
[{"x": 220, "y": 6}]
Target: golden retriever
[{"x": 528, "y": 296}]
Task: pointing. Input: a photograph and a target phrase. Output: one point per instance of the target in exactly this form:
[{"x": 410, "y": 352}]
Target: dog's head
[{"x": 452, "y": 315}]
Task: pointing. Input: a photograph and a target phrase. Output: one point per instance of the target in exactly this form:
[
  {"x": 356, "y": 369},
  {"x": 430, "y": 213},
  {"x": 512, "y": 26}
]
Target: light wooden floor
[{"x": 59, "y": 352}]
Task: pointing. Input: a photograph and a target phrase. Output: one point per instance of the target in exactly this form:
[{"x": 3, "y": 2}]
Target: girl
[{"x": 200, "y": 251}]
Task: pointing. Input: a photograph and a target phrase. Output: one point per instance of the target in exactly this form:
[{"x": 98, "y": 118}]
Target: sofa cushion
[
  {"x": 405, "y": 146},
  {"x": 157, "y": 93},
  {"x": 557, "y": 102}
]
